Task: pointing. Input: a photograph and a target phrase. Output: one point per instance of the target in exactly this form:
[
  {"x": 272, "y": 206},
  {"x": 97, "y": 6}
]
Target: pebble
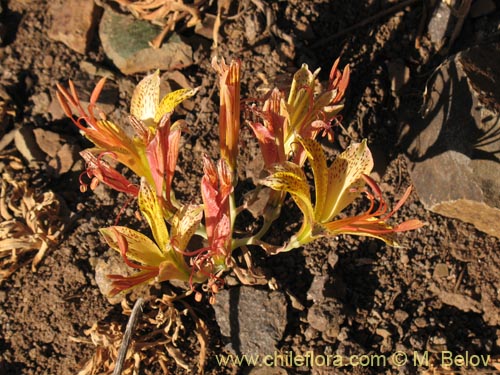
[{"x": 252, "y": 319}]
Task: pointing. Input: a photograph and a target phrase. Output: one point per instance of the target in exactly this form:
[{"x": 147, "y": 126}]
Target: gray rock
[
  {"x": 454, "y": 149},
  {"x": 73, "y": 23},
  {"x": 254, "y": 320},
  {"x": 125, "y": 41}
]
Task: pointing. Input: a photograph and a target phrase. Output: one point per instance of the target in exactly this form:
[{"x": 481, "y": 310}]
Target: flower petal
[
  {"x": 169, "y": 271},
  {"x": 100, "y": 169},
  {"x": 125, "y": 283},
  {"x": 184, "y": 224},
  {"x": 146, "y": 97},
  {"x": 289, "y": 177},
  {"x": 139, "y": 247},
  {"x": 317, "y": 159},
  {"x": 345, "y": 179},
  {"x": 172, "y": 100},
  {"x": 162, "y": 153},
  {"x": 151, "y": 209},
  {"x": 362, "y": 225}
]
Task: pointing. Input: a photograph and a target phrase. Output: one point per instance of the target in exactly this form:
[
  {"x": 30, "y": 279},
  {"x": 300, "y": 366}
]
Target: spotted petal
[
  {"x": 317, "y": 159},
  {"x": 345, "y": 179},
  {"x": 185, "y": 223},
  {"x": 172, "y": 100},
  {"x": 289, "y": 177},
  {"x": 151, "y": 209},
  {"x": 146, "y": 97},
  {"x": 138, "y": 247}
]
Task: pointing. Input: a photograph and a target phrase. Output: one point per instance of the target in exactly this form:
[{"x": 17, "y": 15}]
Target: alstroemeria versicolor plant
[{"x": 286, "y": 126}]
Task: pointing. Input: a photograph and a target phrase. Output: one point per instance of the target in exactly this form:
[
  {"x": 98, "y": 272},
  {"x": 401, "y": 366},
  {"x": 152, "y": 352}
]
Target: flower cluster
[{"x": 285, "y": 125}]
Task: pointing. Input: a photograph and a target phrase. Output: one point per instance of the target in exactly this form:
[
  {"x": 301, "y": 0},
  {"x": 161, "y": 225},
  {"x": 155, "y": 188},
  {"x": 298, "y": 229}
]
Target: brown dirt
[{"x": 391, "y": 299}]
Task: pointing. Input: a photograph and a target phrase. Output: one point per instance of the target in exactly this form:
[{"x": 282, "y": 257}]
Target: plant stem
[{"x": 127, "y": 336}]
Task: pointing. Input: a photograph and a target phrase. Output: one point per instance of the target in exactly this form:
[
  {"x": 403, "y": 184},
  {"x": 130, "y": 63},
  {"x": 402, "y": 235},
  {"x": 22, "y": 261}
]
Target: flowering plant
[{"x": 286, "y": 126}]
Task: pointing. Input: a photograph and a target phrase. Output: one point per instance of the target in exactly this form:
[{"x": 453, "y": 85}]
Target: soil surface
[{"x": 439, "y": 292}]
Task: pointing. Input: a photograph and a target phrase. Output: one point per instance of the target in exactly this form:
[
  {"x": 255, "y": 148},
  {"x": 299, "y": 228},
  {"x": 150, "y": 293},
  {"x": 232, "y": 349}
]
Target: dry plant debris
[
  {"x": 166, "y": 13},
  {"x": 31, "y": 222},
  {"x": 154, "y": 340}
]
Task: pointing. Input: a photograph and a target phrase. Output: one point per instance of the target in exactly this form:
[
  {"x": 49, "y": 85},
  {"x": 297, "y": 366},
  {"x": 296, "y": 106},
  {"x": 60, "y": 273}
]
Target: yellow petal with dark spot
[
  {"x": 345, "y": 179},
  {"x": 151, "y": 209},
  {"x": 172, "y": 100},
  {"x": 139, "y": 247},
  {"x": 184, "y": 224}
]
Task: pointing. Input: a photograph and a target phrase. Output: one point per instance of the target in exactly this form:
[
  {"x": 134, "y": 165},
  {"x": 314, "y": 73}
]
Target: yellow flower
[
  {"x": 162, "y": 259},
  {"x": 336, "y": 187}
]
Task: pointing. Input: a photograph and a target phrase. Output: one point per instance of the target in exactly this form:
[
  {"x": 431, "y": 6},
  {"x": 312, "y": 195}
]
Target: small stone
[
  {"x": 441, "y": 270},
  {"x": 49, "y": 142},
  {"x": 317, "y": 288},
  {"x": 73, "y": 23},
  {"x": 343, "y": 334},
  {"x": 326, "y": 317},
  {"x": 48, "y": 61},
  {"x": 420, "y": 322},
  {"x": 310, "y": 334},
  {"x": 7, "y": 139},
  {"x": 114, "y": 265},
  {"x": 382, "y": 332},
  {"x": 460, "y": 301},
  {"x": 401, "y": 316},
  {"x": 41, "y": 103},
  {"x": 125, "y": 41},
  {"x": 205, "y": 28},
  {"x": 405, "y": 259},
  {"x": 61, "y": 152},
  {"x": 26, "y": 144},
  {"x": 332, "y": 259},
  {"x": 65, "y": 158},
  {"x": 254, "y": 320}
]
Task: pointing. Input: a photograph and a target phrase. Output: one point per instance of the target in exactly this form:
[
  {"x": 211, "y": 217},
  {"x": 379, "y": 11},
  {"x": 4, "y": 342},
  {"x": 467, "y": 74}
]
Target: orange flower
[
  {"x": 216, "y": 188},
  {"x": 229, "y": 117},
  {"x": 271, "y": 132},
  {"x": 98, "y": 170},
  {"x": 152, "y": 151}
]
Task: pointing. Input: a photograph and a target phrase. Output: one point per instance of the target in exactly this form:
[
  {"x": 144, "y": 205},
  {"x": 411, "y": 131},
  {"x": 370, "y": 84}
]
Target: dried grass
[
  {"x": 155, "y": 340},
  {"x": 31, "y": 223}
]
